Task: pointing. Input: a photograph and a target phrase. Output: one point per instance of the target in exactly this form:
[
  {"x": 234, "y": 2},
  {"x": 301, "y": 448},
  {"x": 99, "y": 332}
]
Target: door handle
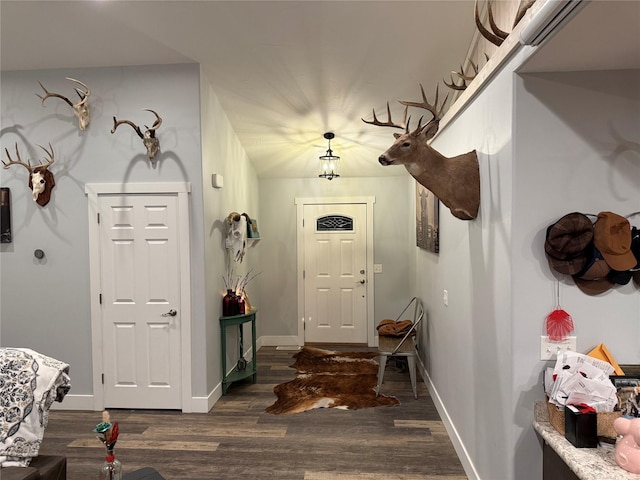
[
  {"x": 170, "y": 313},
  {"x": 363, "y": 281}
]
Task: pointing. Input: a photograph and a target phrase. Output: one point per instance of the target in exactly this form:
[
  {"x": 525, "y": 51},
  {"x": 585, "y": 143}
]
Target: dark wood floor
[{"x": 237, "y": 439}]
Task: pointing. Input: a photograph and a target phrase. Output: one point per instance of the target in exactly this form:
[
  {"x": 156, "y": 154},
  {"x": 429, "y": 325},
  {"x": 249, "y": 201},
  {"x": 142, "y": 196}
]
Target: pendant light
[{"x": 329, "y": 161}]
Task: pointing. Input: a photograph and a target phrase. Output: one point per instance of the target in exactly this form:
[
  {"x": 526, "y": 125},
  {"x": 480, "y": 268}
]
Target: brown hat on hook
[{"x": 567, "y": 241}]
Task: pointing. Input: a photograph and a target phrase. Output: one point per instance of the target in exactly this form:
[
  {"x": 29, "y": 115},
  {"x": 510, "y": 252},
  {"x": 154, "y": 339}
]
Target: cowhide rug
[{"x": 329, "y": 379}]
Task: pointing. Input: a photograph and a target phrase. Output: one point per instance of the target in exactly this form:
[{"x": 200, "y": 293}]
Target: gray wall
[
  {"x": 394, "y": 237},
  {"x": 548, "y": 144},
  {"x": 45, "y": 304},
  {"x": 575, "y": 149},
  {"x": 221, "y": 154}
]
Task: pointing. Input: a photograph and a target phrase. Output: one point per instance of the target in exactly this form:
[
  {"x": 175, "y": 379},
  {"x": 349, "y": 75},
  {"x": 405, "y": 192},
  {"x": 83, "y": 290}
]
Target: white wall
[{"x": 394, "y": 235}]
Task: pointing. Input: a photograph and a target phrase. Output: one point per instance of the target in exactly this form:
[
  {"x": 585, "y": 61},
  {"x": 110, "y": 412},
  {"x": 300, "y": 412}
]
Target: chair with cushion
[{"x": 398, "y": 339}]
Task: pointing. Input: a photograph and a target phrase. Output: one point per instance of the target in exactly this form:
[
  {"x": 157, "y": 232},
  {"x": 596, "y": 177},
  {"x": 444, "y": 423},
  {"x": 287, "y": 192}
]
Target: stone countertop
[{"x": 586, "y": 463}]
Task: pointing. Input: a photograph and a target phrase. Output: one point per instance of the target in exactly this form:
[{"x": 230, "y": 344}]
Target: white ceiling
[{"x": 284, "y": 71}]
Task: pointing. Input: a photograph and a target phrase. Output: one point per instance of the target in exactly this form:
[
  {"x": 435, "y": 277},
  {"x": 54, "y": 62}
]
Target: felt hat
[
  {"x": 593, "y": 278},
  {"x": 622, "y": 278},
  {"x": 612, "y": 236},
  {"x": 566, "y": 243}
]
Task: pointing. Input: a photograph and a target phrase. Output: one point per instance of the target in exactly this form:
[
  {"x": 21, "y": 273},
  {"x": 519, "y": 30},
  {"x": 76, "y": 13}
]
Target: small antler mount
[
  {"x": 149, "y": 139},
  {"x": 41, "y": 180},
  {"x": 80, "y": 109}
]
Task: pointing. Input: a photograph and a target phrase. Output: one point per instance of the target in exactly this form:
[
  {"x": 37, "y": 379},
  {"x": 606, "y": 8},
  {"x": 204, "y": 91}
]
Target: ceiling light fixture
[{"x": 329, "y": 161}]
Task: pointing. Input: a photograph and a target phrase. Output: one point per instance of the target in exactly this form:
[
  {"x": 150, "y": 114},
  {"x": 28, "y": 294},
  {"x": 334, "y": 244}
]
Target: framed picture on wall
[
  {"x": 5, "y": 215},
  {"x": 427, "y": 235}
]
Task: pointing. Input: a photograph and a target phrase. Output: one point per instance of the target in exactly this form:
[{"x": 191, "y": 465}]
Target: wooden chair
[{"x": 405, "y": 346}]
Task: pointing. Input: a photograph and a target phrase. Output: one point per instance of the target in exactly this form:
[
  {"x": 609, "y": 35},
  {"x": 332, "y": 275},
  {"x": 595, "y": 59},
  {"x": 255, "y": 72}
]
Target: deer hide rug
[{"x": 329, "y": 379}]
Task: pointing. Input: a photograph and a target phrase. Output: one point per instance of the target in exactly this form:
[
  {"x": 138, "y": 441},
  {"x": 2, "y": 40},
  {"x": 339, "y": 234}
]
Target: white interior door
[
  {"x": 140, "y": 301},
  {"x": 335, "y": 276}
]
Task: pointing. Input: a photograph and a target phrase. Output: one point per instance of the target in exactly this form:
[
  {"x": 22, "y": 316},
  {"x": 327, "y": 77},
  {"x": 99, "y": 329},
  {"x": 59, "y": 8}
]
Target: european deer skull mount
[
  {"x": 455, "y": 181},
  {"x": 236, "y": 241},
  {"x": 149, "y": 139},
  {"x": 80, "y": 109},
  {"x": 41, "y": 180}
]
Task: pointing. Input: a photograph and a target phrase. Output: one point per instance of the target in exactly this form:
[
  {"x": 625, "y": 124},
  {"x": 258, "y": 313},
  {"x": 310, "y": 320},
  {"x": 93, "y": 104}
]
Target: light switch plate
[{"x": 549, "y": 350}]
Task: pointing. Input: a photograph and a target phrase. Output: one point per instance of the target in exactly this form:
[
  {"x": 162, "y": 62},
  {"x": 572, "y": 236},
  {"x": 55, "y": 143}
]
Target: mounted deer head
[
  {"x": 41, "y": 180},
  {"x": 151, "y": 143},
  {"x": 455, "y": 181},
  {"x": 80, "y": 109}
]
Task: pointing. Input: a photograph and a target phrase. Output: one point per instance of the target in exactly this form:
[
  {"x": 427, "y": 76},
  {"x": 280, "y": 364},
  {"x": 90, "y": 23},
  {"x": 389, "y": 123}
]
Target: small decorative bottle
[
  {"x": 229, "y": 304},
  {"x": 241, "y": 304},
  {"x": 111, "y": 468}
]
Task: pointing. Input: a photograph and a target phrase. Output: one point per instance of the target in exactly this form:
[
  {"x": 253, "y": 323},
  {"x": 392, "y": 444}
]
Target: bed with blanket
[{"x": 29, "y": 384}]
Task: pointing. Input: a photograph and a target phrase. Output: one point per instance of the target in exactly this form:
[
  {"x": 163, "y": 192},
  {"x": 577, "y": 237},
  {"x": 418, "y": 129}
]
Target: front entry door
[
  {"x": 335, "y": 262},
  {"x": 140, "y": 301}
]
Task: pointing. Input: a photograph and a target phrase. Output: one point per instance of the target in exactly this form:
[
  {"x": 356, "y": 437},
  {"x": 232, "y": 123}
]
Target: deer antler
[
  {"x": 151, "y": 143},
  {"x": 156, "y": 124},
  {"x": 389, "y": 123},
  {"x": 431, "y": 107},
  {"x": 497, "y": 36},
  {"x": 16, "y": 162},
  {"x": 44, "y": 166},
  {"x": 463, "y": 76},
  {"x": 80, "y": 109},
  {"x": 117, "y": 123},
  {"x": 522, "y": 9},
  {"x": 152, "y": 130}
]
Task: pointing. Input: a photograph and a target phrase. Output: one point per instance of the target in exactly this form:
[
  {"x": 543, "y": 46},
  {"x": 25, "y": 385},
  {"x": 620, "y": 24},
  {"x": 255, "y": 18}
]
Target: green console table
[{"x": 243, "y": 368}]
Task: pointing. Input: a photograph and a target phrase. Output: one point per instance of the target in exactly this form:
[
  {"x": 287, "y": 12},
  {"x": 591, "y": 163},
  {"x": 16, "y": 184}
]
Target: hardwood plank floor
[{"x": 237, "y": 439}]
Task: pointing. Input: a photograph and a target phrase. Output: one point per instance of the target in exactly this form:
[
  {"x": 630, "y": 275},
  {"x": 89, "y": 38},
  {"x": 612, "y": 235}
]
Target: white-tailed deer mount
[
  {"x": 80, "y": 109},
  {"x": 41, "y": 180},
  {"x": 149, "y": 139},
  {"x": 455, "y": 181}
]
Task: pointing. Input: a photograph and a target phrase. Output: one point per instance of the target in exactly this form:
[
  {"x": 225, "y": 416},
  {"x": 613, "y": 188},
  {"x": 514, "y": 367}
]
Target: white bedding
[{"x": 29, "y": 384}]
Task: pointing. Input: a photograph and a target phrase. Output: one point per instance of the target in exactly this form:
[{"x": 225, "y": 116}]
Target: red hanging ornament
[{"x": 559, "y": 323}]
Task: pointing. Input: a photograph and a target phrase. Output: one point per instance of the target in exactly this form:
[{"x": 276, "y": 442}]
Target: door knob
[
  {"x": 170, "y": 313},
  {"x": 363, "y": 281}
]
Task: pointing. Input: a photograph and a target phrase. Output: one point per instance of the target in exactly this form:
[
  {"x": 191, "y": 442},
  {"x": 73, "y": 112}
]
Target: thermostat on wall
[{"x": 217, "y": 181}]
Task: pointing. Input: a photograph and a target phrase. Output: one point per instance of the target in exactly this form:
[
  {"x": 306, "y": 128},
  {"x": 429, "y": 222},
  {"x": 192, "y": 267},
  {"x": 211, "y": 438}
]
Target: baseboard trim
[
  {"x": 458, "y": 445},
  {"x": 74, "y": 402},
  {"x": 277, "y": 340}
]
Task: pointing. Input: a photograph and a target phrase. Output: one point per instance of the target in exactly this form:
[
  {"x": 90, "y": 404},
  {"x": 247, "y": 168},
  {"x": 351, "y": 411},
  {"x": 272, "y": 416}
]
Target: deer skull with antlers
[
  {"x": 455, "y": 181},
  {"x": 41, "y": 180},
  {"x": 149, "y": 139},
  {"x": 80, "y": 109}
]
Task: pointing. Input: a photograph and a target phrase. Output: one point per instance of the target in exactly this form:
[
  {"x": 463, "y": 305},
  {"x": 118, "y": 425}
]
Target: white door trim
[
  {"x": 300, "y": 203},
  {"x": 182, "y": 189}
]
